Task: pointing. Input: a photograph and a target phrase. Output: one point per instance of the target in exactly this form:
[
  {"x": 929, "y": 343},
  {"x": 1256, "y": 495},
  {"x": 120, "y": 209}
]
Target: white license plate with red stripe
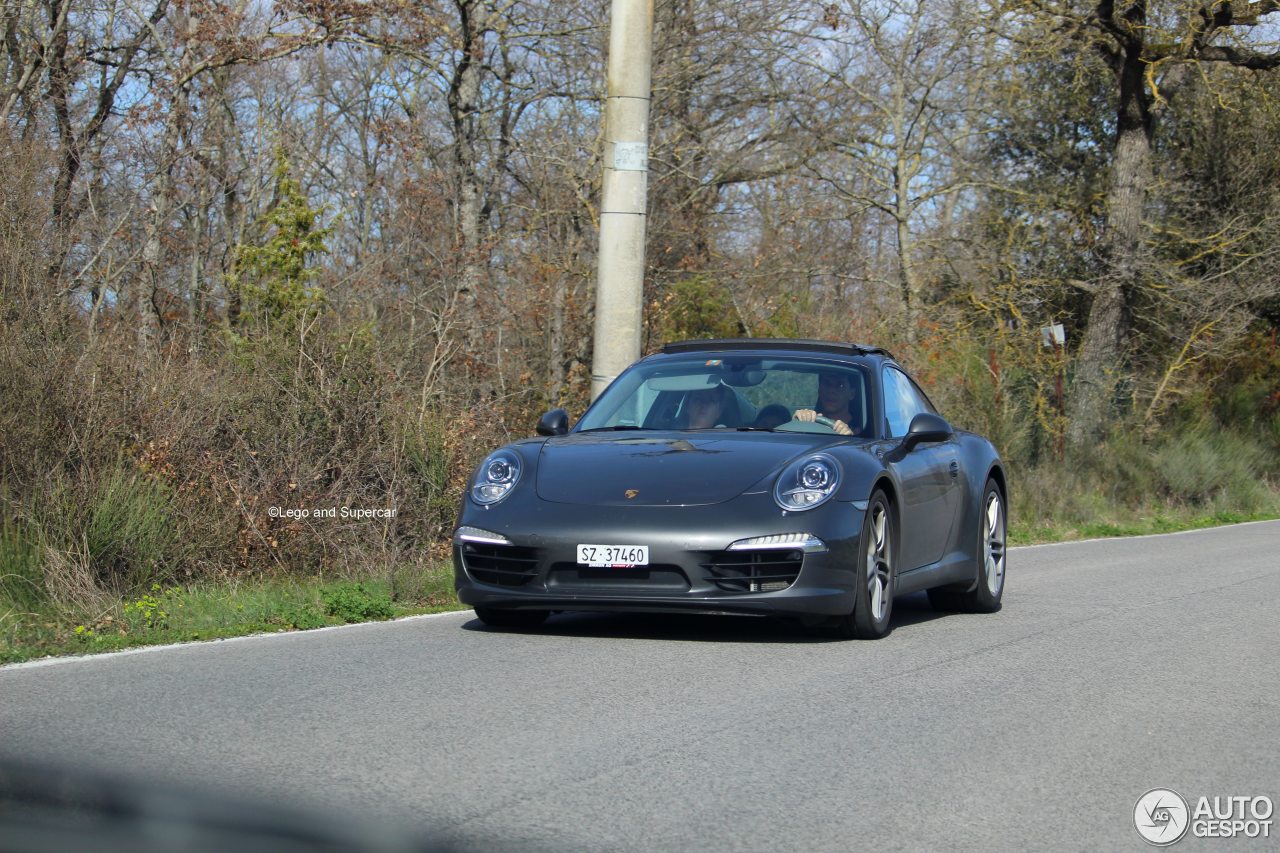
[{"x": 613, "y": 556}]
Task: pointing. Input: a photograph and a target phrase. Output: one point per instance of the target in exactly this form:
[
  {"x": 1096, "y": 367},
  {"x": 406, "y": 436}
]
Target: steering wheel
[{"x": 805, "y": 426}]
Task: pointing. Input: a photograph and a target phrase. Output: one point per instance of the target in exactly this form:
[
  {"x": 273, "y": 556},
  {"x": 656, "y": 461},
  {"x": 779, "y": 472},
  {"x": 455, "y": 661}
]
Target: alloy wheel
[
  {"x": 994, "y": 543},
  {"x": 879, "y": 564}
]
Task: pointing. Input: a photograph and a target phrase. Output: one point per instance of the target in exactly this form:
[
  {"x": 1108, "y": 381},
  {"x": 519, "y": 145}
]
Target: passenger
[
  {"x": 710, "y": 408},
  {"x": 772, "y": 416},
  {"x": 835, "y": 401}
]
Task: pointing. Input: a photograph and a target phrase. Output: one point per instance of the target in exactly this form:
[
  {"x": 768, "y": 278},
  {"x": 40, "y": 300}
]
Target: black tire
[
  {"x": 992, "y": 540},
  {"x": 511, "y": 618},
  {"x": 877, "y": 573}
]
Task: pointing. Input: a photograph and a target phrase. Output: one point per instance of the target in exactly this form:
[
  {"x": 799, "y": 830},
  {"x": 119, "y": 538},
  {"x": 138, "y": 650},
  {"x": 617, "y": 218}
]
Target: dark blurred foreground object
[{"x": 46, "y": 808}]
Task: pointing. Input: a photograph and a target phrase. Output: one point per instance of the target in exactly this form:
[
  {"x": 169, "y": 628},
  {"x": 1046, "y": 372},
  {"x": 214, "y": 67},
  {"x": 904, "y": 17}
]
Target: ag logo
[{"x": 1161, "y": 817}]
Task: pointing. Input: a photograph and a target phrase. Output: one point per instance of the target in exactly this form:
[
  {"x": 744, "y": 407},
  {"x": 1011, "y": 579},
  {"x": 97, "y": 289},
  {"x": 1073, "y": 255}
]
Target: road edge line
[
  {"x": 1145, "y": 535},
  {"x": 68, "y": 659}
]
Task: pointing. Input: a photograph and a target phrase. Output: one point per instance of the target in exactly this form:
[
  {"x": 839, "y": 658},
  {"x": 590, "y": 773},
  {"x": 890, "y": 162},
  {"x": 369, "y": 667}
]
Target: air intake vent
[
  {"x": 501, "y": 565},
  {"x": 764, "y": 570},
  {"x": 640, "y": 580}
]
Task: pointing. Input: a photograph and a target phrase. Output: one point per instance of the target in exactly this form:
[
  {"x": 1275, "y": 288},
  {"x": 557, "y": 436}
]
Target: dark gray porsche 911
[{"x": 774, "y": 477}]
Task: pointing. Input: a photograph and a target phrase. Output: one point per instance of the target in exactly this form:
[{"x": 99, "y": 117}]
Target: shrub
[
  {"x": 131, "y": 533},
  {"x": 356, "y": 603},
  {"x": 1208, "y": 464},
  {"x": 21, "y": 570}
]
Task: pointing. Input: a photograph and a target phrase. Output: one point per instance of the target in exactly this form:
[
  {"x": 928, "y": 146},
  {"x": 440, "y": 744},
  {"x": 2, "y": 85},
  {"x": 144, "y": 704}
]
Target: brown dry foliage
[{"x": 210, "y": 441}]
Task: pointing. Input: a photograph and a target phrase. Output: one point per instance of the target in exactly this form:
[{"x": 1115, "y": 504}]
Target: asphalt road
[{"x": 1115, "y": 667}]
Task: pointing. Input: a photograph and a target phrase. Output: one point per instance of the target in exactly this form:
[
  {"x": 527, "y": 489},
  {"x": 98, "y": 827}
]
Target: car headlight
[
  {"x": 807, "y": 482},
  {"x": 497, "y": 476}
]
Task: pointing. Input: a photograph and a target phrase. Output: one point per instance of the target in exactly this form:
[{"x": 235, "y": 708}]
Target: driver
[{"x": 835, "y": 401}]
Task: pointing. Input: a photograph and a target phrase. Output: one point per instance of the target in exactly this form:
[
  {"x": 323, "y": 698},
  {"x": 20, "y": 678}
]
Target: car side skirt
[{"x": 955, "y": 568}]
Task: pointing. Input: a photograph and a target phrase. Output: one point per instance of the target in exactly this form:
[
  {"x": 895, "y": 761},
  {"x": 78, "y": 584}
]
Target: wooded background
[{"x": 329, "y": 252}]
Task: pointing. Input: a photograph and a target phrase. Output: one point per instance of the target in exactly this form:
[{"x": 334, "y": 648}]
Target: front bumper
[{"x": 689, "y": 567}]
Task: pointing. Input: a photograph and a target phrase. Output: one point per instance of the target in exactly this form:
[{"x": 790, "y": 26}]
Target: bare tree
[{"x": 903, "y": 78}]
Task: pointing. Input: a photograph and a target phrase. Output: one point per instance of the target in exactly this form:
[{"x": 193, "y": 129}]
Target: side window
[{"x": 902, "y": 402}]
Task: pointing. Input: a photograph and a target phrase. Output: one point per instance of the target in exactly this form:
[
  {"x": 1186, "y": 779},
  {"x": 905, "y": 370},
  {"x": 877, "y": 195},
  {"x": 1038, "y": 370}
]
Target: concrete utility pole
[{"x": 620, "y": 278}]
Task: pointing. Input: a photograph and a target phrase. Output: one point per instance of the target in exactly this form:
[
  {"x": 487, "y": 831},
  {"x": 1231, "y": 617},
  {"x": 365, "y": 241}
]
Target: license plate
[{"x": 613, "y": 556}]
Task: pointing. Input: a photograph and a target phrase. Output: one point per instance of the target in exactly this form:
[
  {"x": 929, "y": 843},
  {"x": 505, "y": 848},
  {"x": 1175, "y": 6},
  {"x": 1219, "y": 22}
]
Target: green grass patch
[
  {"x": 1200, "y": 477},
  {"x": 357, "y": 602},
  {"x": 176, "y": 613},
  {"x": 1042, "y": 532}
]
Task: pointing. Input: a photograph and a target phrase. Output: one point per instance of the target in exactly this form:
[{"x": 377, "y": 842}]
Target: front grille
[
  {"x": 763, "y": 570},
  {"x": 501, "y": 565}
]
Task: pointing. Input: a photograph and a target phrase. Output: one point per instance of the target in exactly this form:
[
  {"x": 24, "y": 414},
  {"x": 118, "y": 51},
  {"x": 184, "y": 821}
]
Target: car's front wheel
[
  {"x": 495, "y": 618},
  {"x": 877, "y": 573}
]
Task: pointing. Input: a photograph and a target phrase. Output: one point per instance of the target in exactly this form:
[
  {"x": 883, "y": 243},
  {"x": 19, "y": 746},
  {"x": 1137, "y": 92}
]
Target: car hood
[{"x": 663, "y": 468}]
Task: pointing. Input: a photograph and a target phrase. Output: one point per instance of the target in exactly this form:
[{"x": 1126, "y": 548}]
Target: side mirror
[
  {"x": 926, "y": 427},
  {"x": 554, "y": 422}
]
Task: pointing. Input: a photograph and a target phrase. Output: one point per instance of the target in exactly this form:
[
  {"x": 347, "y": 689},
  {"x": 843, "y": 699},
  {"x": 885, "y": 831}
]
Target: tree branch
[{"x": 1240, "y": 57}]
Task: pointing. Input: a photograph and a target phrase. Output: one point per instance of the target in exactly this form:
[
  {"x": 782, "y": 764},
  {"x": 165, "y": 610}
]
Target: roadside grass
[
  {"x": 1164, "y": 520},
  {"x": 162, "y": 614},
  {"x": 54, "y": 601},
  {"x": 159, "y": 615},
  {"x": 1198, "y": 477}
]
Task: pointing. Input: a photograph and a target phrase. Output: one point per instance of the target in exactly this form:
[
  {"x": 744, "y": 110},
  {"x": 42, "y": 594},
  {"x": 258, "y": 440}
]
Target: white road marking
[
  {"x": 55, "y": 661},
  {"x": 1142, "y": 535}
]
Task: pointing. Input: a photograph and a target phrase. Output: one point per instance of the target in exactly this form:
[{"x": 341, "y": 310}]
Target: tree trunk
[
  {"x": 219, "y": 135},
  {"x": 1107, "y": 335},
  {"x": 196, "y": 319},
  {"x": 555, "y": 335},
  {"x": 907, "y": 278},
  {"x": 464, "y": 102},
  {"x": 903, "y": 205},
  {"x": 162, "y": 196},
  {"x": 685, "y": 200},
  {"x": 68, "y": 148}
]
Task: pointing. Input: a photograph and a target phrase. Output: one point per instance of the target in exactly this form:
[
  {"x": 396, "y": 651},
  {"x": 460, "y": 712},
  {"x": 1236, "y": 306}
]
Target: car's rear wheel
[
  {"x": 495, "y": 618},
  {"x": 877, "y": 573},
  {"x": 985, "y": 597}
]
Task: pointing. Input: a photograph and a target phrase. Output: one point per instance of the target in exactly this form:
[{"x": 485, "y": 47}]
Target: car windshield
[{"x": 734, "y": 393}]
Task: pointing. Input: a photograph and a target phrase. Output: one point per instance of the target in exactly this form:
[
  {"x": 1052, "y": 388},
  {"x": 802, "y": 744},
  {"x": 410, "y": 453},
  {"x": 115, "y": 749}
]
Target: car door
[{"x": 928, "y": 476}]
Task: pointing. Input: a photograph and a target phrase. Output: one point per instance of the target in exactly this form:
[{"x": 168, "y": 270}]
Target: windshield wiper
[
  {"x": 617, "y": 428},
  {"x": 756, "y": 429}
]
